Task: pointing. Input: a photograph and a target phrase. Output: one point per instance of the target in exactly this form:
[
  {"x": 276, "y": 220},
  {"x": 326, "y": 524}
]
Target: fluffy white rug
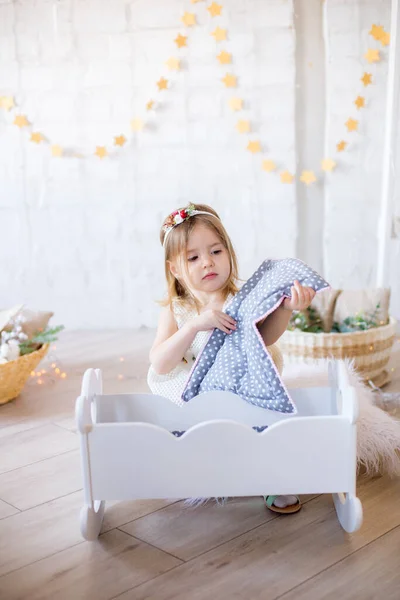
[{"x": 378, "y": 433}]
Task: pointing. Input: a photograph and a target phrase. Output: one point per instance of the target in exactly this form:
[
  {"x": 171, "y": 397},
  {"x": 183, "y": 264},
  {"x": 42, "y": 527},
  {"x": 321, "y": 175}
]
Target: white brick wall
[
  {"x": 353, "y": 194},
  {"x": 81, "y": 237}
]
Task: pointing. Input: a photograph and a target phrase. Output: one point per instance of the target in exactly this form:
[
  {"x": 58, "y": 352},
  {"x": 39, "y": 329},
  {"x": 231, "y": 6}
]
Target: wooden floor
[{"x": 161, "y": 549}]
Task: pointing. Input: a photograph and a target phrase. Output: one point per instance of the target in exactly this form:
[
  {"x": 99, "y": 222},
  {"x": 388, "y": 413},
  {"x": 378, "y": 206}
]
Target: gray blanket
[{"x": 240, "y": 362}]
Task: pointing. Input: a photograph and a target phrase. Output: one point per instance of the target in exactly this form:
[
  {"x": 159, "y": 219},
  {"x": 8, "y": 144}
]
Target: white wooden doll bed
[{"x": 129, "y": 452}]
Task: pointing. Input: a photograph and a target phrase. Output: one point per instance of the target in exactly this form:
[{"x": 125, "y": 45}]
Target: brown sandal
[{"x": 292, "y": 508}]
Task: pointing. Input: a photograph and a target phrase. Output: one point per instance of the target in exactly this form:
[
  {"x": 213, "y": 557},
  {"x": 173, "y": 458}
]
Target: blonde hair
[{"x": 175, "y": 248}]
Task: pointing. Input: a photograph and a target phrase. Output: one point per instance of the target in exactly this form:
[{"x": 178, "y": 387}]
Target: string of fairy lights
[
  {"x": 52, "y": 370},
  {"x": 50, "y": 373}
]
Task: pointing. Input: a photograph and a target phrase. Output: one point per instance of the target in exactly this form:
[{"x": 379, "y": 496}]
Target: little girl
[{"x": 202, "y": 277}]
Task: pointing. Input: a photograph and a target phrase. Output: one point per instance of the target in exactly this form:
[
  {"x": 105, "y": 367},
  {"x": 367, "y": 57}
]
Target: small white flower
[
  {"x": 10, "y": 350},
  {"x": 178, "y": 219}
]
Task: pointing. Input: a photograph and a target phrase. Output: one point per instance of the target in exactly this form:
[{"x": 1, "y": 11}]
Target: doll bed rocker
[{"x": 217, "y": 445}]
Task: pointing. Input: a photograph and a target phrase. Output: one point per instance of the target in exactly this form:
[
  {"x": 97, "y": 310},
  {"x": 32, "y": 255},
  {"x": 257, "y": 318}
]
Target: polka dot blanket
[{"x": 240, "y": 362}]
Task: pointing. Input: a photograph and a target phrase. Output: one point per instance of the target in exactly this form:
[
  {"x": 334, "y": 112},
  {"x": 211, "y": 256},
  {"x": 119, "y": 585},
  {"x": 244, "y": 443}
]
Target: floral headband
[{"x": 179, "y": 216}]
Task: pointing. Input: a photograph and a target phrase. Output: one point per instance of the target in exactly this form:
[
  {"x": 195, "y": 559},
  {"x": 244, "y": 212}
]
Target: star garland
[
  {"x": 371, "y": 56},
  {"x": 235, "y": 103},
  {"x": 307, "y": 177},
  {"x": 137, "y": 125}
]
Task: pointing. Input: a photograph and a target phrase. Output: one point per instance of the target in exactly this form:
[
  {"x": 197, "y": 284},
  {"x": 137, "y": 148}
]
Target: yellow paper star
[
  {"x": 219, "y": 34},
  {"x": 254, "y": 147},
  {"x": 341, "y": 146},
  {"x": 189, "y": 19},
  {"x": 173, "y": 64},
  {"x": 385, "y": 39},
  {"x": 229, "y": 80},
  {"x": 377, "y": 31},
  {"x": 286, "y": 177},
  {"x": 366, "y": 79},
  {"x": 162, "y": 84},
  {"x": 56, "y": 150},
  {"x": 243, "y": 126},
  {"x": 150, "y": 105},
  {"x": 328, "y": 164},
  {"x": 372, "y": 55},
  {"x": 224, "y": 58},
  {"x": 137, "y": 124},
  {"x": 351, "y": 124},
  {"x": 379, "y": 34},
  {"x": 268, "y": 165},
  {"x": 236, "y": 103},
  {"x": 7, "y": 102},
  {"x": 21, "y": 121},
  {"x": 308, "y": 177},
  {"x": 359, "y": 102},
  {"x": 119, "y": 140},
  {"x": 196, "y": 1},
  {"x": 180, "y": 40},
  {"x": 214, "y": 9},
  {"x": 101, "y": 151},
  {"x": 37, "y": 137}
]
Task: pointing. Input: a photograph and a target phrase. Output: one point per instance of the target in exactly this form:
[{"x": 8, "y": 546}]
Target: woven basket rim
[
  {"x": 323, "y": 334},
  {"x": 9, "y": 362}
]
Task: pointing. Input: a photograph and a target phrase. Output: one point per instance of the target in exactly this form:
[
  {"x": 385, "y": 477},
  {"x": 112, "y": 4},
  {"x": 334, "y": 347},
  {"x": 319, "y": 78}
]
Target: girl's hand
[
  {"x": 301, "y": 297},
  {"x": 212, "y": 319}
]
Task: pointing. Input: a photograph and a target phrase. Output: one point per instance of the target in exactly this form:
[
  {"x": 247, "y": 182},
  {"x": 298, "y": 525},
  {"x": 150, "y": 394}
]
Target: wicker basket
[
  {"x": 370, "y": 349},
  {"x": 15, "y": 374}
]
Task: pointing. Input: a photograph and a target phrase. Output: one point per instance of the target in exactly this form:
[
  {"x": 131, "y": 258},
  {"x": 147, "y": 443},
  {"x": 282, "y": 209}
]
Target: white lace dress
[{"x": 172, "y": 384}]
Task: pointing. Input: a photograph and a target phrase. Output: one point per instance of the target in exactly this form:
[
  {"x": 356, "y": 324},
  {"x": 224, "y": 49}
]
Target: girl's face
[{"x": 207, "y": 260}]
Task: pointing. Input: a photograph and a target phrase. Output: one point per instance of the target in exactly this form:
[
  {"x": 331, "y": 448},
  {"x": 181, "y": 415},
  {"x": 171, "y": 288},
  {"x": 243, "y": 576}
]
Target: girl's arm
[
  {"x": 274, "y": 325},
  {"x": 171, "y": 343}
]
